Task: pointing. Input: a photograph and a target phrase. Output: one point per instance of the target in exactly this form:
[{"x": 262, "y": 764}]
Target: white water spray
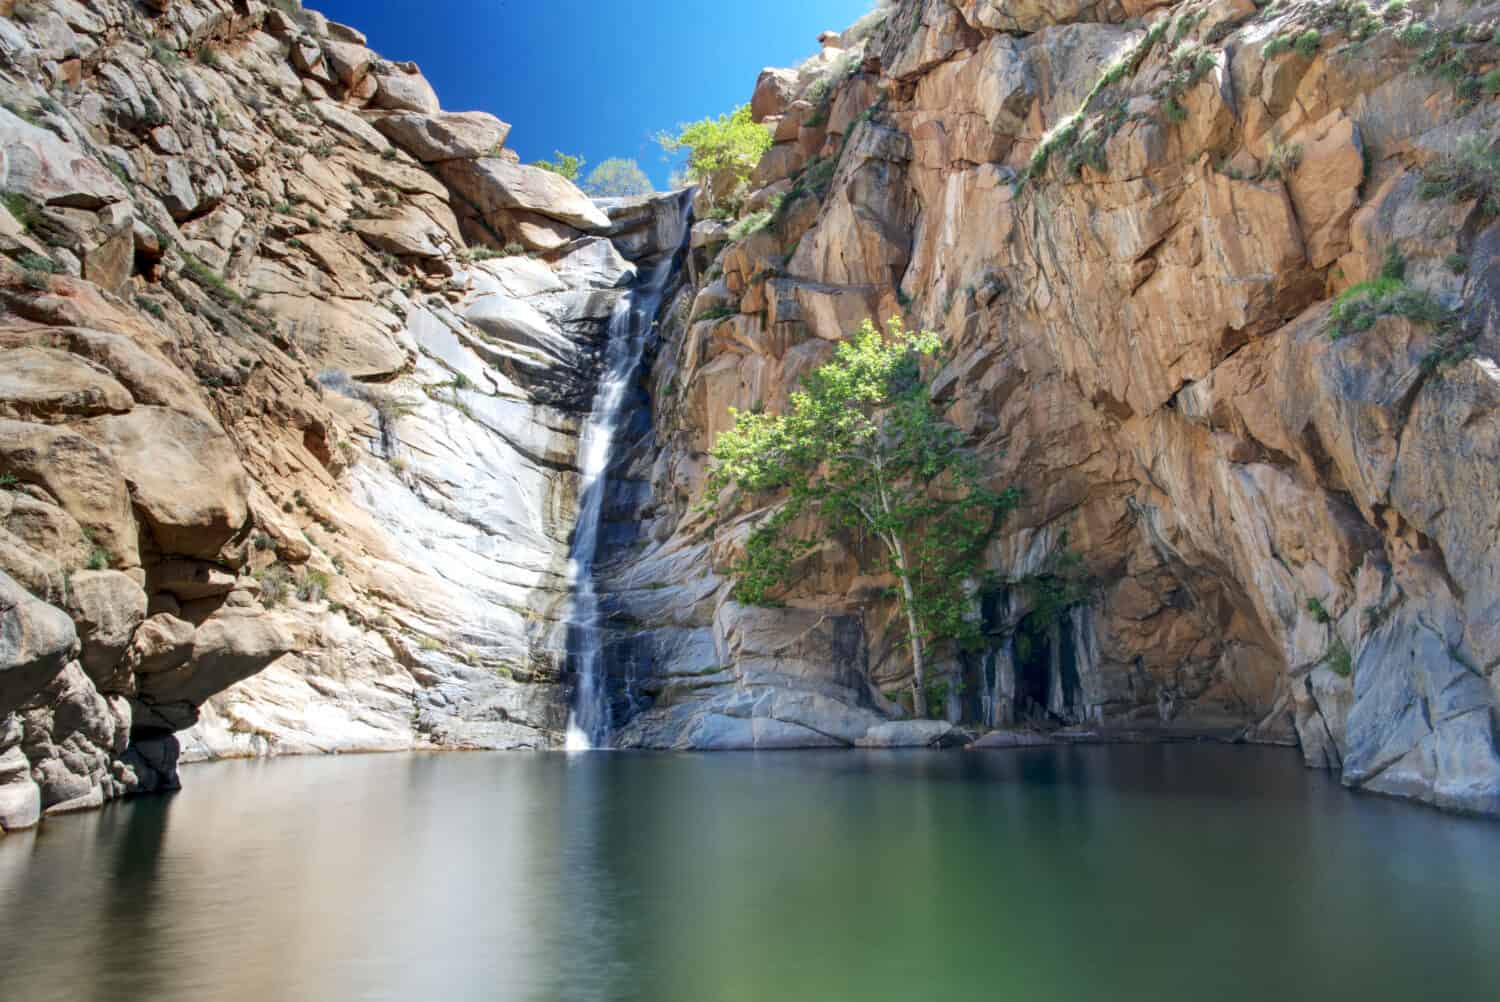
[{"x": 629, "y": 325}]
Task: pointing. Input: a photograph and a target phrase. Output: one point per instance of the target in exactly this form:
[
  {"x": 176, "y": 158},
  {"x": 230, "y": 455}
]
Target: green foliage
[
  {"x": 618, "y": 178},
  {"x": 752, "y": 224},
  {"x": 1281, "y": 161},
  {"x": 863, "y": 449},
  {"x": 36, "y": 262},
  {"x": 9, "y": 481},
  {"x": 1308, "y": 43},
  {"x": 208, "y": 57},
  {"x": 1078, "y": 139},
  {"x": 22, "y": 208},
  {"x": 1415, "y": 34},
  {"x": 717, "y": 313},
  {"x": 38, "y": 271},
  {"x": 1338, "y": 659},
  {"x": 1315, "y": 606},
  {"x": 722, "y": 152},
  {"x": 275, "y": 585},
  {"x": 1278, "y": 45},
  {"x": 566, "y": 165},
  {"x": 1471, "y": 172},
  {"x": 165, "y": 54},
  {"x": 98, "y": 559},
  {"x": 1457, "y": 263},
  {"x": 1358, "y": 307},
  {"x": 209, "y": 280},
  {"x": 313, "y": 586},
  {"x": 816, "y": 177},
  {"x": 1393, "y": 265}
]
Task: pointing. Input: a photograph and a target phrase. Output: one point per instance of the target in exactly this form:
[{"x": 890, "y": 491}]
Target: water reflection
[{"x": 1155, "y": 873}]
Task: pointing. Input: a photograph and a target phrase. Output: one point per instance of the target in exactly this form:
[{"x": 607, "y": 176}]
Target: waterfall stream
[{"x": 629, "y": 327}]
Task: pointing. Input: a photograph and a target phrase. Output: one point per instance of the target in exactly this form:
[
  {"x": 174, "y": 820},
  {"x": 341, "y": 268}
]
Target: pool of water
[{"x": 1077, "y": 874}]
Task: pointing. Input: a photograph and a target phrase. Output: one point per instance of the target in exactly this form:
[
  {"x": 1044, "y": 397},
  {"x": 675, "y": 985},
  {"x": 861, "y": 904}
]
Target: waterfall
[{"x": 629, "y": 326}]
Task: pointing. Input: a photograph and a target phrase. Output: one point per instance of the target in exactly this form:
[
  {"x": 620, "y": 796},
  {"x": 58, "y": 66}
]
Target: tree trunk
[{"x": 918, "y": 661}]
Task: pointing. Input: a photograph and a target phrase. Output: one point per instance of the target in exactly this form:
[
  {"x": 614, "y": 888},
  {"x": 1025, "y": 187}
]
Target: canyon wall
[
  {"x": 1260, "y": 498},
  {"x": 294, "y": 364}
]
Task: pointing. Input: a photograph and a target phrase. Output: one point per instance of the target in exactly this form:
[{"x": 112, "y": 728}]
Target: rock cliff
[
  {"x": 293, "y": 363},
  {"x": 1219, "y": 283}
]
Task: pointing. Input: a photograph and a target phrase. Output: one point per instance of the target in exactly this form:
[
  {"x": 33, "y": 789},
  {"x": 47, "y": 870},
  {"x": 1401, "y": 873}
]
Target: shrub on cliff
[
  {"x": 566, "y": 165},
  {"x": 863, "y": 449},
  {"x": 722, "y": 152}
]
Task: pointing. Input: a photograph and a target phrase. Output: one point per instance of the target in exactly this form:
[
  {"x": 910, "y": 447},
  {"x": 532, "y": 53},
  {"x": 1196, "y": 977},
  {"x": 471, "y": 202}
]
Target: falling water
[{"x": 629, "y": 325}]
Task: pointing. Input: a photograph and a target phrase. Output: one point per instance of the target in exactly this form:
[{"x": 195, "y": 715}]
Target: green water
[{"x": 1077, "y": 874}]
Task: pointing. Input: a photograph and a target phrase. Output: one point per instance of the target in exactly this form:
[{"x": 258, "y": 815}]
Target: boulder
[
  {"x": 232, "y": 644},
  {"x": 48, "y": 171},
  {"x": 190, "y": 580},
  {"x": 775, "y": 89},
  {"x": 537, "y": 233},
  {"x": 349, "y": 61},
  {"x": 913, "y": 734},
  {"x": 106, "y": 607},
  {"x": 406, "y": 232},
  {"x": 72, "y": 736},
  {"x": 42, "y": 384},
  {"x": 399, "y": 90},
  {"x": 20, "y": 797},
  {"x": 82, "y": 477},
  {"x": 184, "y": 474},
  {"x": 494, "y": 185},
  {"x": 434, "y": 138},
  {"x": 36, "y": 642},
  {"x": 162, "y": 643}
]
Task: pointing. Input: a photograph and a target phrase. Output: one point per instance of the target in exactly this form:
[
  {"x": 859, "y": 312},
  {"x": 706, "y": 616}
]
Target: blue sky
[{"x": 594, "y": 77}]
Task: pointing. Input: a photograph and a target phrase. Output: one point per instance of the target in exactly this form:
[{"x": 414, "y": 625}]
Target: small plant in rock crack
[
  {"x": 313, "y": 587},
  {"x": 22, "y": 208},
  {"x": 1472, "y": 171},
  {"x": 717, "y": 313},
  {"x": 38, "y": 271},
  {"x": 275, "y": 585},
  {"x": 1281, "y": 162},
  {"x": 165, "y": 54},
  {"x": 1308, "y": 43}
]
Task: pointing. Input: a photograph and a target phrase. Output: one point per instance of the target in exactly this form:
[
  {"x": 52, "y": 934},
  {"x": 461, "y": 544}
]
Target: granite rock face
[
  {"x": 287, "y": 440},
  {"x": 293, "y": 364},
  {"x": 1131, "y": 224}
]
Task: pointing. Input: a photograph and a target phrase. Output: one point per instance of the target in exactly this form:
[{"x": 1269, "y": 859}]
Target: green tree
[
  {"x": 722, "y": 152},
  {"x": 618, "y": 177},
  {"x": 567, "y": 165},
  {"x": 863, "y": 448}
]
